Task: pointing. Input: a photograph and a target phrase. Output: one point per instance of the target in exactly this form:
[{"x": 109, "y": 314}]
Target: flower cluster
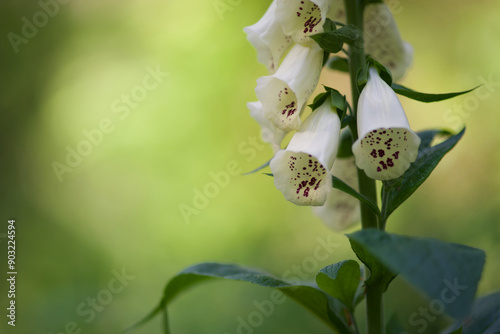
[{"x": 303, "y": 171}]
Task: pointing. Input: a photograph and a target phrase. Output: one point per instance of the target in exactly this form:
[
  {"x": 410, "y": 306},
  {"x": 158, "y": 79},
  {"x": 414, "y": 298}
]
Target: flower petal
[
  {"x": 386, "y": 146},
  {"x": 383, "y": 41},
  {"x": 285, "y": 93},
  {"x": 302, "y": 171},
  {"x": 341, "y": 210},
  {"x": 270, "y": 134},
  {"x": 268, "y": 38},
  {"x": 302, "y": 18}
]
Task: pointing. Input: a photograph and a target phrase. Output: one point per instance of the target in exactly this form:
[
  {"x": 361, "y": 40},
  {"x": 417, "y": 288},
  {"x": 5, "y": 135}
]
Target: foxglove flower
[
  {"x": 268, "y": 38},
  {"x": 302, "y": 18},
  {"x": 386, "y": 145},
  {"x": 341, "y": 210},
  {"x": 302, "y": 171},
  {"x": 270, "y": 134},
  {"x": 284, "y": 94},
  {"x": 383, "y": 41}
]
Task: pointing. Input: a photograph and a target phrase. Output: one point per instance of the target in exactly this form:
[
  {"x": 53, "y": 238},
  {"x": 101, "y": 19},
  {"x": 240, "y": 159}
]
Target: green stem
[
  {"x": 374, "y": 309},
  {"x": 367, "y": 186},
  {"x": 385, "y": 201}
]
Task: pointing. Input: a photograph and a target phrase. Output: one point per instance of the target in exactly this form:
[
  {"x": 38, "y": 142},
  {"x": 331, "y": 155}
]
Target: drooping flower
[
  {"x": 268, "y": 39},
  {"x": 383, "y": 41},
  {"x": 302, "y": 171},
  {"x": 270, "y": 134},
  {"x": 341, "y": 210},
  {"x": 284, "y": 94},
  {"x": 302, "y": 18},
  {"x": 386, "y": 145}
]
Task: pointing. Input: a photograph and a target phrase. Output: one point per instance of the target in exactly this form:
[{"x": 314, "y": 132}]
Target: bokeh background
[{"x": 119, "y": 208}]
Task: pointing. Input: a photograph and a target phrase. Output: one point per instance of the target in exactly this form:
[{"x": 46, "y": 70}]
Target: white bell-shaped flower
[
  {"x": 302, "y": 18},
  {"x": 285, "y": 93},
  {"x": 270, "y": 133},
  {"x": 268, "y": 39},
  {"x": 386, "y": 145},
  {"x": 341, "y": 210},
  {"x": 383, "y": 41},
  {"x": 302, "y": 171}
]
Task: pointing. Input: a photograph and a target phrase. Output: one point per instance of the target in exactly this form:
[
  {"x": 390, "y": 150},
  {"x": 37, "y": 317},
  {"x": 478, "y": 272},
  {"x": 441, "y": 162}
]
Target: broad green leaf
[
  {"x": 484, "y": 318},
  {"x": 341, "y": 185},
  {"x": 380, "y": 275},
  {"x": 460, "y": 331},
  {"x": 338, "y": 63},
  {"x": 328, "y": 26},
  {"x": 311, "y": 298},
  {"x": 341, "y": 281},
  {"x": 425, "y": 97},
  {"x": 332, "y": 41},
  {"x": 396, "y": 191},
  {"x": 447, "y": 273}
]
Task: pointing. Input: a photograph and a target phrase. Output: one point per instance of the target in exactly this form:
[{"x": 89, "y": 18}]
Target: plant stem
[
  {"x": 374, "y": 309},
  {"x": 367, "y": 186}
]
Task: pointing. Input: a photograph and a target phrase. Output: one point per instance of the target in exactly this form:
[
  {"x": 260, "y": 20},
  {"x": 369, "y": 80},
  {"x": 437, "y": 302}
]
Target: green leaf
[
  {"x": 484, "y": 318},
  {"x": 338, "y": 100},
  {"x": 326, "y": 56},
  {"x": 396, "y": 191},
  {"x": 348, "y": 119},
  {"x": 333, "y": 41},
  {"x": 460, "y": 331},
  {"x": 363, "y": 73},
  {"x": 338, "y": 63},
  {"x": 318, "y": 100},
  {"x": 448, "y": 273},
  {"x": 341, "y": 281},
  {"x": 311, "y": 298},
  {"x": 259, "y": 168},
  {"x": 329, "y": 25},
  {"x": 384, "y": 72},
  {"x": 380, "y": 276},
  {"x": 425, "y": 97},
  {"x": 341, "y": 185}
]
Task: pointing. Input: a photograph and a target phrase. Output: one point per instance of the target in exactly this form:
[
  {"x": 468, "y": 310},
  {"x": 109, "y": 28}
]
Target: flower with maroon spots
[
  {"x": 341, "y": 210},
  {"x": 302, "y": 18},
  {"x": 386, "y": 145},
  {"x": 284, "y": 94},
  {"x": 270, "y": 134},
  {"x": 383, "y": 41},
  {"x": 268, "y": 39},
  {"x": 302, "y": 171}
]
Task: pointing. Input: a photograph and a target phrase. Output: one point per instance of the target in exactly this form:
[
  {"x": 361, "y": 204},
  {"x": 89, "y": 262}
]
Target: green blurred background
[{"x": 119, "y": 208}]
